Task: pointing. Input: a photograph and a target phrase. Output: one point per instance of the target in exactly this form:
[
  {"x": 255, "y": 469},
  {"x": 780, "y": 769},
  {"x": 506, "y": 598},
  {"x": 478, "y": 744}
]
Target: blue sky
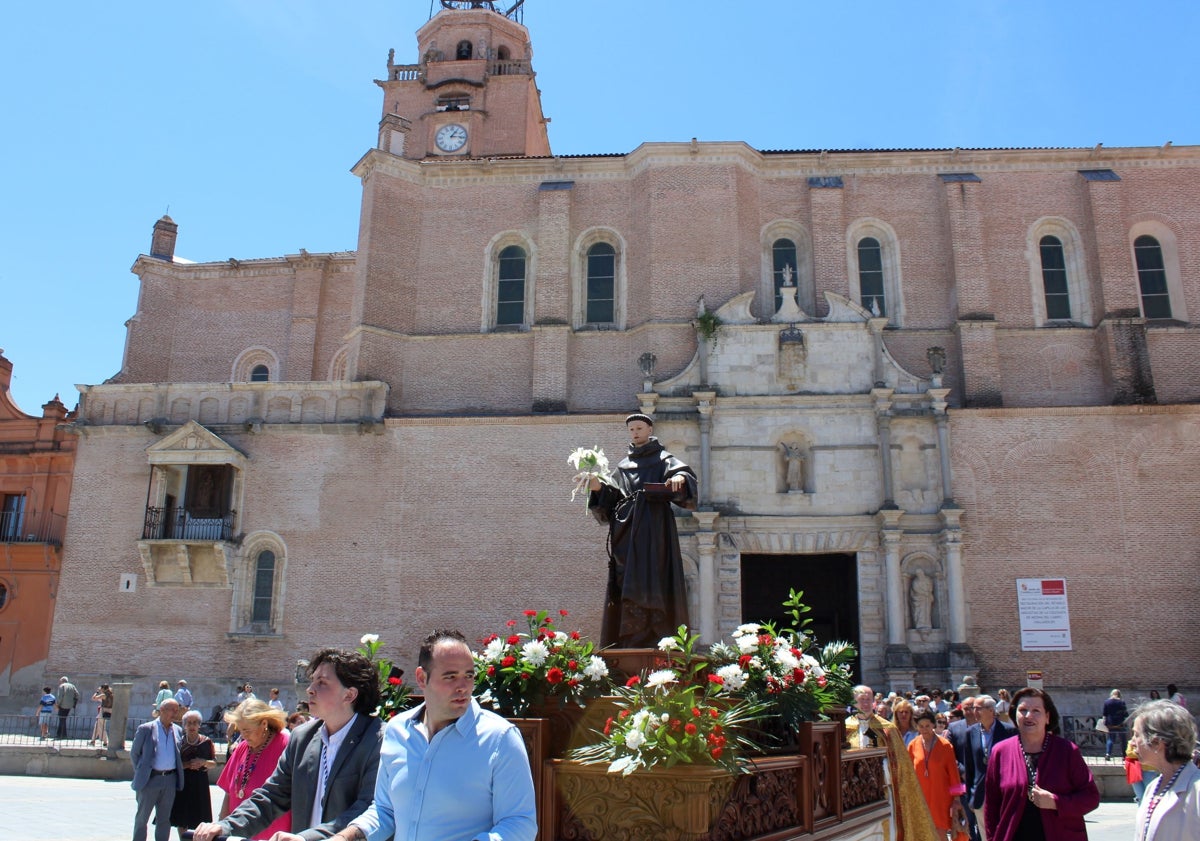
[{"x": 244, "y": 116}]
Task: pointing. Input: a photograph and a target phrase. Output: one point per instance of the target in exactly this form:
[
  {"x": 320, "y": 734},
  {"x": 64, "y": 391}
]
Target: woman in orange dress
[{"x": 937, "y": 774}]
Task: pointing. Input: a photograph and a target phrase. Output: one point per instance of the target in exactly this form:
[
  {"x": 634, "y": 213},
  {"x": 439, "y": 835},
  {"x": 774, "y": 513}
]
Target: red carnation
[
  {"x": 491, "y": 671},
  {"x": 608, "y": 726},
  {"x": 508, "y": 661},
  {"x": 696, "y": 712},
  {"x": 525, "y": 676},
  {"x": 633, "y": 681},
  {"x": 676, "y": 724},
  {"x": 690, "y": 729},
  {"x": 511, "y": 622},
  {"x": 547, "y": 621},
  {"x": 572, "y": 664},
  {"x": 716, "y": 753},
  {"x": 712, "y": 712},
  {"x": 513, "y": 640},
  {"x": 554, "y": 675},
  {"x": 395, "y": 681},
  {"x": 624, "y": 714},
  {"x": 531, "y": 613},
  {"x": 821, "y": 681},
  {"x": 717, "y": 679},
  {"x": 574, "y": 635},
  {"x": 562, "y": 613},
  {"x": 744, "y": 660},
  {"x": 573, "y": 682}
]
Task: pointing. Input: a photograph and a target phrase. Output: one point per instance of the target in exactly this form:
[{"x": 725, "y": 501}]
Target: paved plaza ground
[{"x": 68, "y": 809}]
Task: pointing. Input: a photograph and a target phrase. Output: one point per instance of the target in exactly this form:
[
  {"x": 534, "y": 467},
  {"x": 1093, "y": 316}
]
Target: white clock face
[{"x": 451, "y": 138}]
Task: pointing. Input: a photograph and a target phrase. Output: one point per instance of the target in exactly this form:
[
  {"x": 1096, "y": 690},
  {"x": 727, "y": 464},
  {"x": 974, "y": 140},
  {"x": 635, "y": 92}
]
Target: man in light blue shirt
[
  {"x": 184, "y": 696},
  {"x": 449, "y": 769}
]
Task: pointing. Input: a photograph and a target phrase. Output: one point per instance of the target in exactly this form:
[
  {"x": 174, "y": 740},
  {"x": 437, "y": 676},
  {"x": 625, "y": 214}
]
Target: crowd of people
[
  {"x": 445, "y": 769},
  {"x": 1002, "y": 771}
]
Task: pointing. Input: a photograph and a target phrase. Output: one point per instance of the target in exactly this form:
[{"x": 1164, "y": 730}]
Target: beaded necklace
[
  {"x": 249, "y": 762},
  {"x": 1159, "y": 794},
  {"x": 1031, "y": 761}
]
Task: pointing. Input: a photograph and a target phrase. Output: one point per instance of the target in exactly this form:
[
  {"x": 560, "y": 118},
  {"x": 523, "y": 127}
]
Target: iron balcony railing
[
  {"x": 32, "y": 527},
  {"x": 182, "y": 524}
]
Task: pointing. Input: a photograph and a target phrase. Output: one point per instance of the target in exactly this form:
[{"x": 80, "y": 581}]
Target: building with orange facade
[{"x": 37, "y": 457}]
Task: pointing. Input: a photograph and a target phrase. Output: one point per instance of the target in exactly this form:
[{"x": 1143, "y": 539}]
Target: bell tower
[{"x": 472, "y": 92}]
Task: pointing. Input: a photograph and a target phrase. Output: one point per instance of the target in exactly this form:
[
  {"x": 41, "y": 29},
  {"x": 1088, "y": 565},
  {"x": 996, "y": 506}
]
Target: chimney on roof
[{"x": 162, "y": 243}]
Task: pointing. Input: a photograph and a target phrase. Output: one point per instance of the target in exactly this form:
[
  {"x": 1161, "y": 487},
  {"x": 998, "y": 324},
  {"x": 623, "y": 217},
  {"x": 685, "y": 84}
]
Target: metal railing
[
  {"x": 24, "y": 729},
  {"x": 182, "y": 524},
  {"x": 1081, "y": 729},
  {"x": 35, "y": 527}
]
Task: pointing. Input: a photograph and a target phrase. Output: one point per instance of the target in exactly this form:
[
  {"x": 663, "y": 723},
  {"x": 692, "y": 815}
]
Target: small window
[
  {"x": 870, "y": 276},
  {"x": 260, "y": 374},
  {"x": 12, "y": 516},
  {"x": 510, "y": 288},
  {"x": 502, "y": 53},
  {"x": 601, "y": 283},
  {"x": 783, "y": 256},
  {"x": 464, "y": 51},
  {"x": 1054, "y": 279},
  {"x": 264, "y": 587},
  {"x": 454, "y": 102},
  {"x": 1152, "y": 277}
]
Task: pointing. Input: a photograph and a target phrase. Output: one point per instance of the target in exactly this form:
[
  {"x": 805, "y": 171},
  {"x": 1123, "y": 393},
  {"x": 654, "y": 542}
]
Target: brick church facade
[{"x": 895, "y": 372}]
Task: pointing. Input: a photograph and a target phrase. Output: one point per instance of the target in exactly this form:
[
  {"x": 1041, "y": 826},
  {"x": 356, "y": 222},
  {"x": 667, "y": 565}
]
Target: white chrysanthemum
[
  {"x": 668, "y": 644},
  {"x": 747, "y": 643},
  {"x": 733, "y": 676},
  {"x": 743, "y": 630},
  {"x": 756, "y": 664},
  {"x": 812, "y": 666},
  {"x": 560, "y": 636},
  {"x": 535, "y": 652},
  {"x": 596, "y": 668},
  {"x": 785, "y": 658},
  {"x": 634, "y": 739},
  {"x": 638, "y": 721},
  {"x": 494, "y": 651},
  {"x": 369, "y": 639},
  {"x": 659, "y": 679}
]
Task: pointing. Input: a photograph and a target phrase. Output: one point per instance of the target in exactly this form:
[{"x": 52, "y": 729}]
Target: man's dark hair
[
  {"x": 425, "y": 655},
  {"x": 352, "y": 670},
  {"x": 45, "y": 688}
]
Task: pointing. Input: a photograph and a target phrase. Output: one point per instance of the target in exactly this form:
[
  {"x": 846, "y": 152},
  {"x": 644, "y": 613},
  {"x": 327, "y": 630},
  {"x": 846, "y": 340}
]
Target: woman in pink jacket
[{"x": 1038, "y": 788}]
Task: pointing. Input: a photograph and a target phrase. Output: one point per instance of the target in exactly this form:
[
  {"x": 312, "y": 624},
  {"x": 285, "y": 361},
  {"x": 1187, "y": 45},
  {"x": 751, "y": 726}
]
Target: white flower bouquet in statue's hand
[{"x": 589, "y": 463}]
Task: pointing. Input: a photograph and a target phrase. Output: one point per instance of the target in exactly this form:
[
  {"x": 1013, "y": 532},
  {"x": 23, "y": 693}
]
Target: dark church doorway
[{"x": 830, "y": 586}]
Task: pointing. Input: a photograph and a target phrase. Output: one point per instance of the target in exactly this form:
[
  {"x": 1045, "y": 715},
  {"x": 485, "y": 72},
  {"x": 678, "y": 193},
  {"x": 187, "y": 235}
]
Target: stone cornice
[
  {"x": 1079, "y": 411},
  {"x": 337, "y": 262},
  {"x": 799, "y": 164}
]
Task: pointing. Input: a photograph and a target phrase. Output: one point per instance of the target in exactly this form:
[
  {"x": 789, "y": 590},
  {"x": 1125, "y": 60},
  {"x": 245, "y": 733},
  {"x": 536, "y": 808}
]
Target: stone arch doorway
[{"x": 830, "y": 585}]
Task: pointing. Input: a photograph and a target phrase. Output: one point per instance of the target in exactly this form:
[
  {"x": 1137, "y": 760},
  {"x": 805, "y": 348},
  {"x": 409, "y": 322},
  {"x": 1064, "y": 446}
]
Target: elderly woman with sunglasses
[{"x": 1164, "y": 735}]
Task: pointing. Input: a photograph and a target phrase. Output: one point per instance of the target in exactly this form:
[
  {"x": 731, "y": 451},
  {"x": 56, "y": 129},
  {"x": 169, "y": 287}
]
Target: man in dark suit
[
  {"x": 157, "y": 771},
  {"x": 326, "y": 776},
  {"x": 957, "y": 734},
  {"x": 981, "y": 738}
]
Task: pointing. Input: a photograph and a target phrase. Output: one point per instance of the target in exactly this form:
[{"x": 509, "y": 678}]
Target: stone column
[
  {"x": 937, "y": 401},
  {"x": 120, "y": 718},
  {"x": 883, "y": 421},
  {"x": 706, "y": 542},
  {"x": 962, "y": 658},
  {"x": 705, "y": 405},
  {"x": 897, "y": 661}
]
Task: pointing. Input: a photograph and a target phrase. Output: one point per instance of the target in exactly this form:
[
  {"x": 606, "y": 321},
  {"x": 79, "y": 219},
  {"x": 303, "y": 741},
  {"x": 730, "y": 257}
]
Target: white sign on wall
[{"x": 1045, "y": 621}]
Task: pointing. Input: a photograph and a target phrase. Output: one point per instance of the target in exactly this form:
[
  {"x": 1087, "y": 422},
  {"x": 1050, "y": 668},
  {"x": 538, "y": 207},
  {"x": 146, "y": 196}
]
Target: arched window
[
  {"x": 264, "y": 587},
  {"x": 510, "y": 286},
  {"x": 601, "y": 284},
  {"x": 870, "y": 276},
  {"x": 260, "y": 374},
  {"x": 464, "y": 51},
  {"x": 3, "y": 595},
  {"x": 1054, "y": 278},
  {"x": 783, "y": 255},
  {"x": 502, "y": 53},
  {"x": 1152, "y": 277}
]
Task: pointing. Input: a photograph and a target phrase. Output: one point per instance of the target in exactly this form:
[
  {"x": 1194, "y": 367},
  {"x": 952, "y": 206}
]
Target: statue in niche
[
  {"x": 793, "y": 459},
  {"x": 920, "y": 600}
]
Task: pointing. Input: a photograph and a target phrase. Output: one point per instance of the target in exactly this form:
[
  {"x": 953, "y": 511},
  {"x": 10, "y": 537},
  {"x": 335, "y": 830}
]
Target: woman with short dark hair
[
  {"x": 1164, "y": 735},
  {"x": 1038, "y": 786}
]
